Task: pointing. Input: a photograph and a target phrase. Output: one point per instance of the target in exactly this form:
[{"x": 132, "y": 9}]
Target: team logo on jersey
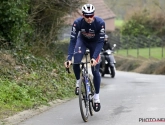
[
  {"x": 74, "y": 30},
  {"x": 88, "y": 35},
  {"x": 102, "y": 30},
  {"x": 82, "y": 30},
  {"x": 91, "y": 31}
]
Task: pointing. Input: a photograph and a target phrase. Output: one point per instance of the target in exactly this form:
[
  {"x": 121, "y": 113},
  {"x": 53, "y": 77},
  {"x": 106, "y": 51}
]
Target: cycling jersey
[{"x": 94, "y": 32}]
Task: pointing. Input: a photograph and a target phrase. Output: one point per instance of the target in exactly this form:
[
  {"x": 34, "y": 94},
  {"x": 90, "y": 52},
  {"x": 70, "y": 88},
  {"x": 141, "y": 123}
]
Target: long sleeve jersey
[{"x": 94, "y": 32}]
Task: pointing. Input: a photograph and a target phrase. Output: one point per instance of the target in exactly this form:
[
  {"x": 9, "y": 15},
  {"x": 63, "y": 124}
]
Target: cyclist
[{"x": 87, "y": 31}]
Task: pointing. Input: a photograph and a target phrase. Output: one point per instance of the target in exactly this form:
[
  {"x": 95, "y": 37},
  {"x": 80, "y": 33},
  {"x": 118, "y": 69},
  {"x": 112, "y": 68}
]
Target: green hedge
[{"x": 143, "y": 29}]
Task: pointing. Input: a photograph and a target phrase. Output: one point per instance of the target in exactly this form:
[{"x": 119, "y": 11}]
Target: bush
[
  {"x": 145, "y": 26},
  {"x": 29, "y": 80},
  {"x": 136, "y": 24},
  {"x": 13, "y": 16}
]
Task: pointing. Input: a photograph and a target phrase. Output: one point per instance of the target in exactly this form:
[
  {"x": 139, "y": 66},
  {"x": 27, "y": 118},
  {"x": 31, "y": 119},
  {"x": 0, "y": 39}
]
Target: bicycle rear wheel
[{"x": 83, "y": 102}]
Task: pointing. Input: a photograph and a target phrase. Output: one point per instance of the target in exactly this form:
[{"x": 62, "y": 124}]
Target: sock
[
  {"x": 77, "y": 83},
  {"x": 96, "y": 96}
]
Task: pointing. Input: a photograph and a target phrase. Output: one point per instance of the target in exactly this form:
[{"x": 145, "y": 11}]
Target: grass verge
[{"x": 28, "y": 81}]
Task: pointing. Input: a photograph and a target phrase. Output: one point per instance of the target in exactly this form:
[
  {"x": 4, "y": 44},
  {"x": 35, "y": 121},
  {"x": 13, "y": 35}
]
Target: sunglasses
[{"x": 88, "y": 16}]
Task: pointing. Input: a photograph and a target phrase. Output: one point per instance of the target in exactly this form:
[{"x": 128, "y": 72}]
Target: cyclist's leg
[
  {"x": 96, "y": 81},
  {"x": 95, "y": 70},
  {"x": 79, "y": 52},
  {"x": 96, "y": 77}
]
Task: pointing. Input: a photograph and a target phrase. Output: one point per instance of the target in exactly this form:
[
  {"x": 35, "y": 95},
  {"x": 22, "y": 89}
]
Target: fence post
[
  {"x": 127, "y": 46},
  {"x": 149, "y": 51},
  {"x": 149, "y": 47},
  {"x": 163, "y": 39},
  {"x": 137, "y": 39}
]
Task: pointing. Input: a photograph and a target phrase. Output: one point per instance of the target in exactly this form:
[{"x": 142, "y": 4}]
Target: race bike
[{"x": 107, "y": 64}]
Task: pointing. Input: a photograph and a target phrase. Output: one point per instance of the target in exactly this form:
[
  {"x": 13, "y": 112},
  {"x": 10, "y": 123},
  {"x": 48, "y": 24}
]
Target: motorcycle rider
[{"x": 107, "y": 45}]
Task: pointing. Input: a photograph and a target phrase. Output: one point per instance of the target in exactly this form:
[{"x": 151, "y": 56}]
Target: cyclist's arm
[
  {"x": 73, "y": 38},
  {"x": 100, "y": 42}
]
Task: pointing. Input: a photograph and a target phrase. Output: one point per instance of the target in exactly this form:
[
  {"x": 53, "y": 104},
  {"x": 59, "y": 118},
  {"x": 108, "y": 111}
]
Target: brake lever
[{"x": 67, "y": 69}]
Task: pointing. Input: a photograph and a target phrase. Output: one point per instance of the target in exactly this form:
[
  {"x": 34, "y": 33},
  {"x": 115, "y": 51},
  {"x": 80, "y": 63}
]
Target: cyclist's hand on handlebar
[
  {"x": 67, "y": 64},
  {"x": 93, "y": 62}
]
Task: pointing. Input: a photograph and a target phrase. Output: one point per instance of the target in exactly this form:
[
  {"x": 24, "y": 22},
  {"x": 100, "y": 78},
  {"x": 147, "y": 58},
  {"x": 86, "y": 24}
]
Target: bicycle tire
[
  {"x": 82, "y": 100},
  {"x": 91, "y": 97}
]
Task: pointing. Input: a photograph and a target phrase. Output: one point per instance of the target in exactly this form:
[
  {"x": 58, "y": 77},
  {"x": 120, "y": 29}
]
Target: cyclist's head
[
  {"x": 106, "y": 37},
  {"x": 88, "y": 12},
  {"x": 88, "y": 9}
]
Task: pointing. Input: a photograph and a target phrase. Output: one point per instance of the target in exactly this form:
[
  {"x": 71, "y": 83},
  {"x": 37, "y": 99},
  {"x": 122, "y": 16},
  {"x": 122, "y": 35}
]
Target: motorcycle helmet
[
  {"x": 88, "y": 9},
  {"x": 106, "y": 36}
]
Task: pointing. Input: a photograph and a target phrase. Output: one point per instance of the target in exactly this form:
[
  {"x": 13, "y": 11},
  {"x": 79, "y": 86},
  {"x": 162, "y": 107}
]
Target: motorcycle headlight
[{"x": 109, "y": 52}]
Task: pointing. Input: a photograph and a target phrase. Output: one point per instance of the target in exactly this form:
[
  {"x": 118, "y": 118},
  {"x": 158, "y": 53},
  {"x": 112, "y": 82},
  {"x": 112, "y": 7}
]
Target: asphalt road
[{"x": 127, "y": 99}]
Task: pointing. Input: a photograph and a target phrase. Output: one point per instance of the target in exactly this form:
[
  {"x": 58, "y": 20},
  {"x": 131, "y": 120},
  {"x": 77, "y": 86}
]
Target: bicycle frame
[
  {"x": 86, "y": 81},
  {"x": 86, "y": 95}
]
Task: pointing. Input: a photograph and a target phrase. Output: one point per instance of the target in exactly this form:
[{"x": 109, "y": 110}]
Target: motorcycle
[{"x": 107, "y": 64}]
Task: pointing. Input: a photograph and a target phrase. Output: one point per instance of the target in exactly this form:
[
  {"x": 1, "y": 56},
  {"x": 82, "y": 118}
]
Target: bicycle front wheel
[
  {"x": 92, "y": 90},
  {"x": 83, "y": 102}
]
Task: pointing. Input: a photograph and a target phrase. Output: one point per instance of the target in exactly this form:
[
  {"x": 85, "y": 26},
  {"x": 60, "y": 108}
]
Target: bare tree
[{"x": 121, "y": 7}]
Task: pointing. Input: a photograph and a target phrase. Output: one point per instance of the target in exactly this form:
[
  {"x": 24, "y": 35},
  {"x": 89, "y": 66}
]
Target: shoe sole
[{"x": 96, "y": 107}]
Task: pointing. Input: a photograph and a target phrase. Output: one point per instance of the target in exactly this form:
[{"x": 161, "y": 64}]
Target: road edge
[{"x": 26, "y": 114}]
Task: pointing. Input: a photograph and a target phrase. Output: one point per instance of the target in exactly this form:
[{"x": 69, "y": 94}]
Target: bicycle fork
[{"x": 89, "y": 96}]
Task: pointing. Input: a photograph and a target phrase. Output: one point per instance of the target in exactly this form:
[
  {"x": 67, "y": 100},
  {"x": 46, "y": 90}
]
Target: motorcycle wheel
[
  {"x": 112, "y": 72},
  {"x": 102, "y": 67}
]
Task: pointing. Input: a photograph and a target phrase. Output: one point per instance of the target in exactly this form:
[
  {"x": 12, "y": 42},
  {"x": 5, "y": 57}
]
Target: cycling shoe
[
  {"x": 77, "y": 90},
  {"x": 97, "y": 105}
]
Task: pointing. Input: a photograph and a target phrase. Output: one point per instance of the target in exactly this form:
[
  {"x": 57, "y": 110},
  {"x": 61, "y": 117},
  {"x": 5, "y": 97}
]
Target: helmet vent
[{"x": 88, "y": 9}]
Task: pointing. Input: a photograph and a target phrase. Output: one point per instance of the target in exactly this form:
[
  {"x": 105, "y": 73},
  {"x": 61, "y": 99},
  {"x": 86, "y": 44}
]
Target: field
[
  {"x": 118, "y": 23},
  {"x": 157, "y": 52}
]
